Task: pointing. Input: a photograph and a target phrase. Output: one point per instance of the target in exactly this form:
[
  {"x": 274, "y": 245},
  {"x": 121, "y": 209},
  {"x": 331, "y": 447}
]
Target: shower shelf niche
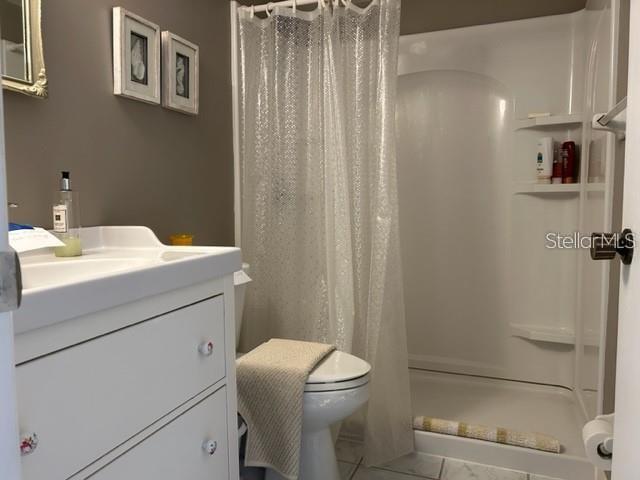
[
  {"x": 543, "y": 333},
  {"x": 544, "y": 188},
  {"x": 571, "y": 120},
  {"x": 531, "y": 187}
]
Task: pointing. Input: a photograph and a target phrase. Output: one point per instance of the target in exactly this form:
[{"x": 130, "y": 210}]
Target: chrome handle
[
  {"x": 210, "y": 446},
  {"x": 605, "y": 246},
  {"x": 206, "y": 348},
  {"x": 28, "y": 443}
]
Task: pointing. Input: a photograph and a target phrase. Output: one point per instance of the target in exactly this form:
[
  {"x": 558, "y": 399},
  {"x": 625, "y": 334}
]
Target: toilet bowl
[{"x": 335, "y": 389}]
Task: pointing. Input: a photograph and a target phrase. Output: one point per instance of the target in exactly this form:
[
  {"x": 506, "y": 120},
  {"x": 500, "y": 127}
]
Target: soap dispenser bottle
[{"x": 66, "y": 217}]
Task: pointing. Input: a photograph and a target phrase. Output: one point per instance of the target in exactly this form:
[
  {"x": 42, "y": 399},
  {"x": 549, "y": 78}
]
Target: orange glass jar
[{"x": 181, "y": 239}]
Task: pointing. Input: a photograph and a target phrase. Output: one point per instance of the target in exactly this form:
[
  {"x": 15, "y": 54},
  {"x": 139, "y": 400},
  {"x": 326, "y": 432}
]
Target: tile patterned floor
[{"x": 418, "y": 466}]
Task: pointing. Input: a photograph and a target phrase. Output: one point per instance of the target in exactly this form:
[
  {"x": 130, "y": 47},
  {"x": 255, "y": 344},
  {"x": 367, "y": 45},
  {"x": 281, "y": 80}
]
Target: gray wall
[
  {"x": 132, "y": 163},
  {"x": 430, "y": 15}
]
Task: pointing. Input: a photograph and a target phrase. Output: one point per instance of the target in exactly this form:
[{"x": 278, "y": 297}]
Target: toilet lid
[{"x": 338, "y": 367}]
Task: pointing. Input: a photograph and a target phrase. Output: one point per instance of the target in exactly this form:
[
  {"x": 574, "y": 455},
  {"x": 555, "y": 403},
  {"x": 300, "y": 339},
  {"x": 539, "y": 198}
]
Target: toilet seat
[{"x": 338, "y": 371}]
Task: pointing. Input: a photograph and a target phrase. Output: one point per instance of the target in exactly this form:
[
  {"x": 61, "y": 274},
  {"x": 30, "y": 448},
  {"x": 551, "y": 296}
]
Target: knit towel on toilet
[{"x": 271, "y": 380}]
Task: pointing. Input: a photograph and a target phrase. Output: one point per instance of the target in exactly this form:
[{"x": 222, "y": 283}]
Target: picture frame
[
  {"x": 180, "y": 74},
  {"x": 136, "y": 57}
]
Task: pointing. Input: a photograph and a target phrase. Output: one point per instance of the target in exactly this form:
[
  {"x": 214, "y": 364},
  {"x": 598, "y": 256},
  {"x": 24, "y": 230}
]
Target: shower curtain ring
[
  {"x": 295, "y": 6},
  {"x": 253, "y": 11},
  {"x": 269, "y": 8}
]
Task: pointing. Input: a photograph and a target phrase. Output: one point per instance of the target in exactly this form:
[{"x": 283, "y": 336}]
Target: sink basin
[
  {"x": 46, "y": 274},
  {"x": 118, "y": 265},
  {"x": 39, "y": 272}
]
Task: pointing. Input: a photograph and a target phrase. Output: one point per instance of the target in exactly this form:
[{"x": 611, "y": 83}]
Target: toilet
[{"x": 335, "y": 389}]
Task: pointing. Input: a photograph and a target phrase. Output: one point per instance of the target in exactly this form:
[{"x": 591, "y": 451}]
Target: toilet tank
[{"x": 240, "y": 280}]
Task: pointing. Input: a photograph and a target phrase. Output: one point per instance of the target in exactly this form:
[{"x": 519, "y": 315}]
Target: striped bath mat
[{"x": 537, "y": 441}]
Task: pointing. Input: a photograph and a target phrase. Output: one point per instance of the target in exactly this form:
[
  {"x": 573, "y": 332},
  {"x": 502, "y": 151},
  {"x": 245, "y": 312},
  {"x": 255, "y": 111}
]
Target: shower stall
[{"x": 507, "y": 321}]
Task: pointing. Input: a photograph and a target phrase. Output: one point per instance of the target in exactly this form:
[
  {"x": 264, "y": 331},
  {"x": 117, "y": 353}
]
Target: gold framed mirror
[{"x": 21, "y": 48}]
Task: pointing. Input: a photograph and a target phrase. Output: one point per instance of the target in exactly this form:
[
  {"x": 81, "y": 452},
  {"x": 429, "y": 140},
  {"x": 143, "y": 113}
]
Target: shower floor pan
[{"x": 501, "y": 403}]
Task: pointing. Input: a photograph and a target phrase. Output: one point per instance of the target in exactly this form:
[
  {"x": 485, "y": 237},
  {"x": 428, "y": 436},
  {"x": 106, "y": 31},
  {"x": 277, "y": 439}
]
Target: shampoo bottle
[
  {"x": 544, "y": 159},
  {"x": 66, "y": 223}
]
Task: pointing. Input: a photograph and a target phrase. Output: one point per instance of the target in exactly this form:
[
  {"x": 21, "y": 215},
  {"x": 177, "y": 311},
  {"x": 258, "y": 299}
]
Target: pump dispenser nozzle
[{"x": 65, "y": 182}]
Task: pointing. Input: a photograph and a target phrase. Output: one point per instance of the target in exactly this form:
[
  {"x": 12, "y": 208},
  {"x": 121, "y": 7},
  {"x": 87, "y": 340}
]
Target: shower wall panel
[{"x": 474, "y": 258}]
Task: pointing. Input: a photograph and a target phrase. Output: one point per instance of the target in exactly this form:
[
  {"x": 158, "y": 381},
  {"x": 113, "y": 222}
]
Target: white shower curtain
[{"x": 319, "y": 196}]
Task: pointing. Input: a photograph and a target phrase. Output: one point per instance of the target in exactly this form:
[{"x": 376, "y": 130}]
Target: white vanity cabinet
[{"x": 140, "y": 390}]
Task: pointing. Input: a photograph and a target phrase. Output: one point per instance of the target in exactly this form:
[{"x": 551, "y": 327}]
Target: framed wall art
[
  {"x": 136, "y": 57},
  {"x": 180, "y": 71}
]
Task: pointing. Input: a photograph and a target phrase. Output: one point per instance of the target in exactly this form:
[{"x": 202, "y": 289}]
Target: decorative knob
[
  {"x": 28, "y": 443},
  {"x": 210, "y": 446},
  {"x": 206, "y": 348}
]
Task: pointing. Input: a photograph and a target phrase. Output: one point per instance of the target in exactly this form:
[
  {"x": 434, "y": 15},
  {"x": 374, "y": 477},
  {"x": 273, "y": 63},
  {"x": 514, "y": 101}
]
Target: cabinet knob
[
  {"x": 28, "y": 443},
  {"x": 206, "y": 348},
  {"x": 210, "y": 446}
]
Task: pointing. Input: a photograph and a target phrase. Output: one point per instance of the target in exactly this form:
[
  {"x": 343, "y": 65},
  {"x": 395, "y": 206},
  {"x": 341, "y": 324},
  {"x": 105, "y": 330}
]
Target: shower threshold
[{"x": 501, "y": 403}]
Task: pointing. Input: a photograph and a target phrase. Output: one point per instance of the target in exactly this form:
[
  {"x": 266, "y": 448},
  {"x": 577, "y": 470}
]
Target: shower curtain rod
[{"x": 284, "y": 3}]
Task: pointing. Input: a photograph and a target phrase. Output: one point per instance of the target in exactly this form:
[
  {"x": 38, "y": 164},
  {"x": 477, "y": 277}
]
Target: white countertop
[{"x": 119, "y": 265}]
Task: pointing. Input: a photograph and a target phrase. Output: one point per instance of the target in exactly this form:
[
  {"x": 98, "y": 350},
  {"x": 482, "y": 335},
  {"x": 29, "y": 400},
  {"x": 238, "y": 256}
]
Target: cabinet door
[
  {"x": 177, "y": 450},
  {"x": 83, "y": 401}
]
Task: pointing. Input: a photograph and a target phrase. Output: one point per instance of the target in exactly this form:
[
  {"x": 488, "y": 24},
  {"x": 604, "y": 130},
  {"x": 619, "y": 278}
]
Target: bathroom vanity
[{"x": 126, "y": 361}]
